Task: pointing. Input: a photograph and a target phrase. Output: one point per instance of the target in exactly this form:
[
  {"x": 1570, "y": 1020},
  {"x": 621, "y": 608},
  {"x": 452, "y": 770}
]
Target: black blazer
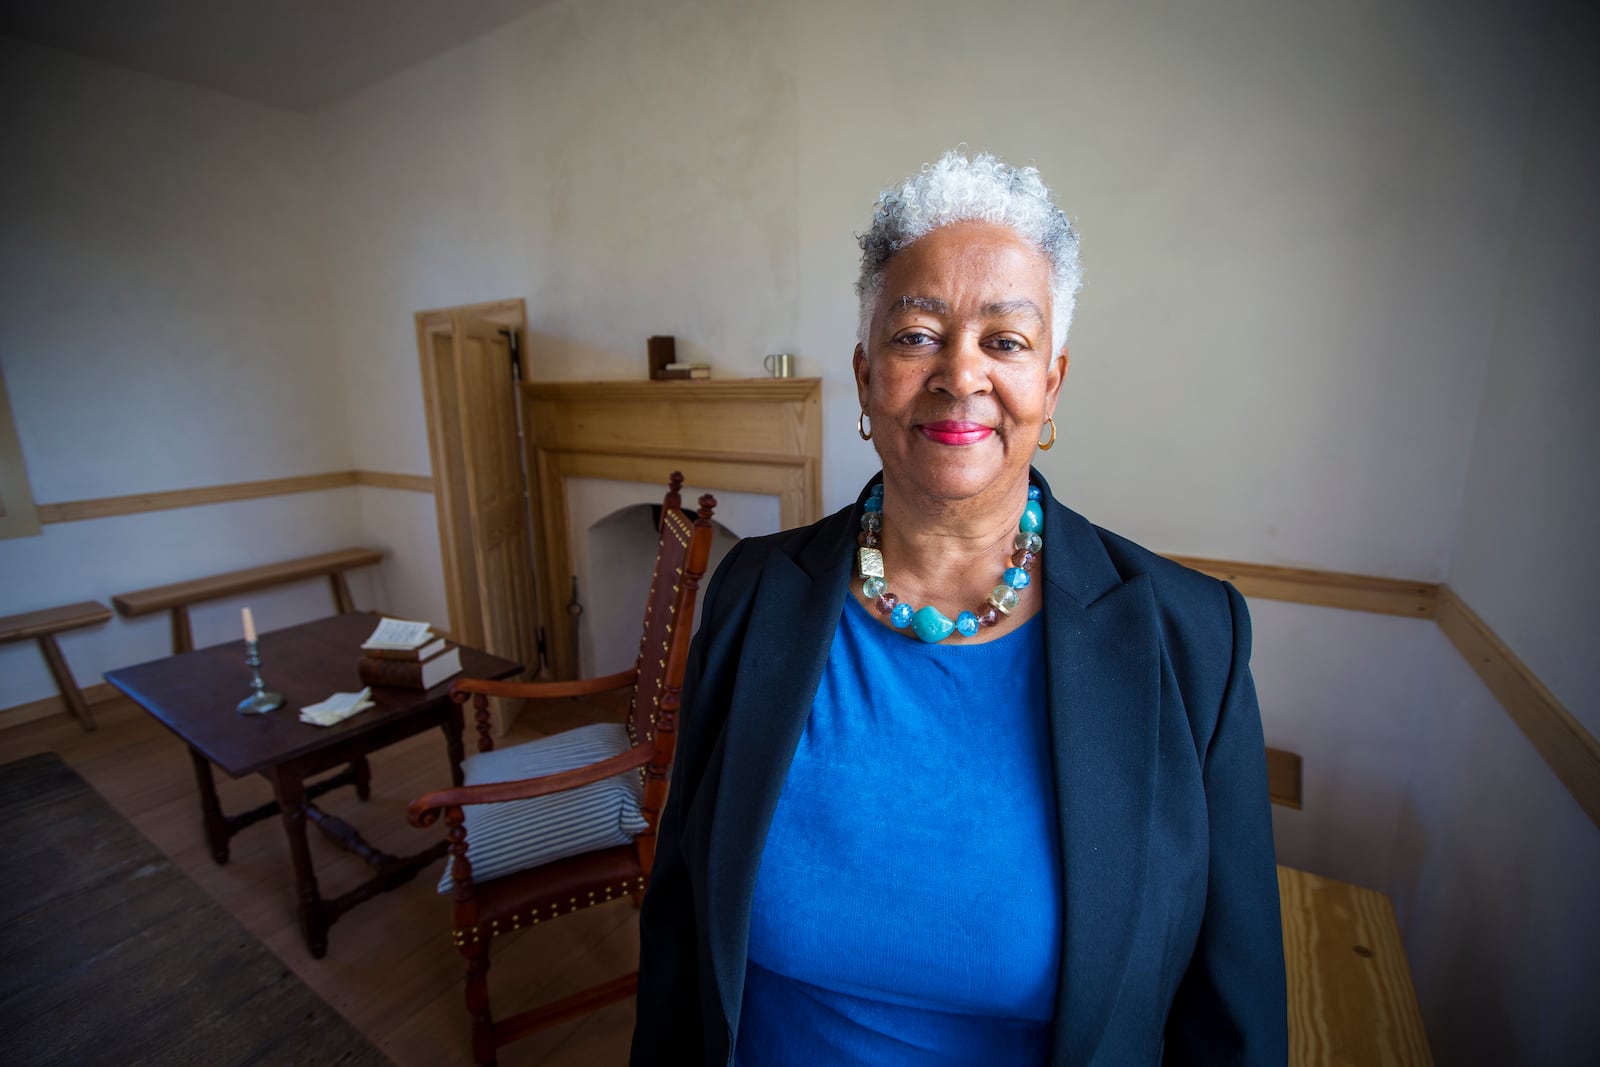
[{"x": 1172, "y": 949}]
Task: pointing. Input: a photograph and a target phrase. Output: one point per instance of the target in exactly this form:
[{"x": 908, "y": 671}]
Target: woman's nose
[{"x": 964, "y": 367}]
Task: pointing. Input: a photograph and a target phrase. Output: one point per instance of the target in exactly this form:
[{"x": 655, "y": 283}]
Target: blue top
[{"x": 908, "y": 905}]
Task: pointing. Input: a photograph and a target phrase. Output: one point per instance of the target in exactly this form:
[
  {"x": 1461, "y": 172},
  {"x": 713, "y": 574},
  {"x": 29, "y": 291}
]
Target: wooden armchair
[{"x": 559, "y": 794}]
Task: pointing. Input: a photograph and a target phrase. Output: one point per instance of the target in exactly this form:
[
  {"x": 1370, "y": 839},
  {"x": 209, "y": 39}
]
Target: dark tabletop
[{"x": 195, "y": 693}]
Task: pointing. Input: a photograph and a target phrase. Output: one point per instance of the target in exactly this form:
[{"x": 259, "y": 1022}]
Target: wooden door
[{"x": 469, "y": 388}]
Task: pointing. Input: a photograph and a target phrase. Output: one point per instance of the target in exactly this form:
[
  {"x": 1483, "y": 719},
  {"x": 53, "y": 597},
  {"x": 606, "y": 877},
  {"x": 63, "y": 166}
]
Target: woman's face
[{"x": 957, "y": 375}]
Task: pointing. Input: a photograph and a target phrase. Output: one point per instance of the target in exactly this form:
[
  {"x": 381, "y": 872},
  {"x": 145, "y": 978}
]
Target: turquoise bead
[
  {"x": 901, "y": 615},
  {"x": 967, "y": 623},
  {"x": 1015, "y": 577},
  {"x": 877, "y": 490},
  {"x": 931, "y": 625},
  {"x": 872, "y": 503},
  {"x": 1032, "y": 518},
  {"x": 1033, "y": 492}
]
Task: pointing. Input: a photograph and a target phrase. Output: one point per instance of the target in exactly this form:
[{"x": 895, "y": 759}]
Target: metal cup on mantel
[{"x": 779, "y": 365}]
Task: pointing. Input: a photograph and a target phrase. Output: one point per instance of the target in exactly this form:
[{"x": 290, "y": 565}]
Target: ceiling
[{"x": 297, "y": 54}]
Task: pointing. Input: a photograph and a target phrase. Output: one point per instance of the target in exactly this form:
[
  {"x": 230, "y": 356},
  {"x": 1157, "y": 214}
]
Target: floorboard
[{"x": 390, "y": 969}]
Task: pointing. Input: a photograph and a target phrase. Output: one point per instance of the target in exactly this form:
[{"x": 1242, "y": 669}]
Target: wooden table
[
  {"x": 1350, "y": 995},
  {"x": 194, "y": 695}
]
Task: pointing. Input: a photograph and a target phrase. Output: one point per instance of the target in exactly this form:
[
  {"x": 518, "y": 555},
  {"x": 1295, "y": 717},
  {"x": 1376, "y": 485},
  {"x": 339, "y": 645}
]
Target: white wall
[
  {"x": 1496, "y": 874},
  {"x": 164, "y": 323},
  {"x": 1295, "y": 220},
  {"x": 1343, "y": 689},
  {"x": 1532, "y": 506},
  {"x": 1497, "y": 869}
]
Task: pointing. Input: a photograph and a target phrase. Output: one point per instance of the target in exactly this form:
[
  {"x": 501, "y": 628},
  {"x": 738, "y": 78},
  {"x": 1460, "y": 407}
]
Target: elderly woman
[{"x": 964, "y": 779}]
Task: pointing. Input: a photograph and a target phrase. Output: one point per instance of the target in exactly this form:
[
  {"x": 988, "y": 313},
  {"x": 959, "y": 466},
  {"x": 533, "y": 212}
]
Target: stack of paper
[{"x": 337, "y": 708}]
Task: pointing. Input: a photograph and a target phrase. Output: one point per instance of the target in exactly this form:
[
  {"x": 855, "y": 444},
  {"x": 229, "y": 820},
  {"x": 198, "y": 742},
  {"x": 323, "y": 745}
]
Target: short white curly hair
[{"x": 958, "y": 189}]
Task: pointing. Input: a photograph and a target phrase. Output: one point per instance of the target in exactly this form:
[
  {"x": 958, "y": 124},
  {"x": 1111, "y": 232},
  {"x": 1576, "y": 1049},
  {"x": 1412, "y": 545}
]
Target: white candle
[{"x": 249, "y": 625}]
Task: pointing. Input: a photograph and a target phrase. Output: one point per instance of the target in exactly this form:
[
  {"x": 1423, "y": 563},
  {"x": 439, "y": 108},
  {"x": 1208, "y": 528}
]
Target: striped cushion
[{"x": 516, "y": 835}]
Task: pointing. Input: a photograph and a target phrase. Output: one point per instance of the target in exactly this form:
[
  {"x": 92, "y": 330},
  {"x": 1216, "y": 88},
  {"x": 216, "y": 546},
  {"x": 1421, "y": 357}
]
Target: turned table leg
[
  {"x": 313, "y": 917},
  {"x": 362, "y": 773},
  {"x": 211, "y": 817}
]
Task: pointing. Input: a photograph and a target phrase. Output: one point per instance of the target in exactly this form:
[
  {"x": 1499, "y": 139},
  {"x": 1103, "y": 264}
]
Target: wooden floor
[{"x": 390, "y": 968}]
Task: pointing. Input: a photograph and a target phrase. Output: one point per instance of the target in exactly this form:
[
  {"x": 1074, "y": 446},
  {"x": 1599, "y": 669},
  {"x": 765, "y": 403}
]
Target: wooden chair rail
[
  {"x": 180, "y": 596},
  {"x": 42, "y": 626}
]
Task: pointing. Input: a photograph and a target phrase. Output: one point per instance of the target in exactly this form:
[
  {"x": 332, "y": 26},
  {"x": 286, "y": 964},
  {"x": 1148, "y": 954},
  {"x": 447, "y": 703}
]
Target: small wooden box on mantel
[{"x": 663, "y": 350}]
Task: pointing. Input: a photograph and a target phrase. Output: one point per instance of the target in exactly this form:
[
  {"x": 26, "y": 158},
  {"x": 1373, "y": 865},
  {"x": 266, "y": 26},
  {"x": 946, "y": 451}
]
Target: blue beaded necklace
[{"x": 928, "y": 622}]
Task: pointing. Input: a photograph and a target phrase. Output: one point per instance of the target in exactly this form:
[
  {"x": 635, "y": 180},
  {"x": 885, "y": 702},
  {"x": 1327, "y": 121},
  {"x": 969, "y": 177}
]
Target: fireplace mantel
[{"x": 755, "y": 435}]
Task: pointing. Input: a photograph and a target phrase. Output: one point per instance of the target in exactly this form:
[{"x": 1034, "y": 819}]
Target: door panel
[
  {"x": 496, "y": 495},
  {"x": 470, "y": 398}
]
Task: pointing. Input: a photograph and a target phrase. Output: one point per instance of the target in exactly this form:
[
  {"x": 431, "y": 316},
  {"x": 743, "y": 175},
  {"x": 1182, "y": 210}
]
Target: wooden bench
[
  {"x": 1283, "y": 777},
  {"x": 1350, "y": 994},
  {"x": 43, "y": 626},
  {"x": 180, "y": 596}
]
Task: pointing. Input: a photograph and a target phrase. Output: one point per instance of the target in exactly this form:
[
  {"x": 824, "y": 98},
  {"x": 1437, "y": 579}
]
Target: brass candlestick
[{"x": 261, "y": 700}]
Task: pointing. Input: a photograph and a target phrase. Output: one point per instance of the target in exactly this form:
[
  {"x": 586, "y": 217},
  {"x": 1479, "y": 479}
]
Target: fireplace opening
[{"x": 621, "y": 551}]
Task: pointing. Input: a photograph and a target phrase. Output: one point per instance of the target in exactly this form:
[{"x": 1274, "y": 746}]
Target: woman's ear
[
  {"x": 1054, "y": 377},
  {"x": 863, "y": 372}
]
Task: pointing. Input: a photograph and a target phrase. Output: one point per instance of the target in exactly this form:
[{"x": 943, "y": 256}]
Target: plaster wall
[
  {"x": 164, "y": 324},
  {"x": 1496, "y": 871},
  {"x": 1525, "y": 558},
  {"x": 1496, "y": 867}
]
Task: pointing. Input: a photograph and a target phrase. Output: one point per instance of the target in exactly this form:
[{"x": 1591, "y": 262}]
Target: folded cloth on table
[{"x": 337, "y": 708}]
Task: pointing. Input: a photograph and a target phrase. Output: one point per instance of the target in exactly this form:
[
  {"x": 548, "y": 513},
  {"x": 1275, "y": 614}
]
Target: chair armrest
[
  {"x": 542, "y": 690},
  {"x": 424, "y": 811}
]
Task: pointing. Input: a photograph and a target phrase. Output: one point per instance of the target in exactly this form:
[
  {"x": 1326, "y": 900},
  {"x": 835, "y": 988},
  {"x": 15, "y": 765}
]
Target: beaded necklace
[{"x": 928, "y": 622}]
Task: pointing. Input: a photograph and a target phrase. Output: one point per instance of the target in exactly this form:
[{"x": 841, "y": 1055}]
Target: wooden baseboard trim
[
  {"x": 17, "y": 714},
  {"x": 1570, "y": 750},
  {"x": 1327, "y": 589}
]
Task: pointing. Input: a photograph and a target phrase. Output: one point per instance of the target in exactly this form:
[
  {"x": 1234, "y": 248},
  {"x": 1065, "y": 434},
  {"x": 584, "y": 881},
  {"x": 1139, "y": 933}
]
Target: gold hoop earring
[
  {"x": 1044, "y": 446},
  {"x": 861, "y": 426}
]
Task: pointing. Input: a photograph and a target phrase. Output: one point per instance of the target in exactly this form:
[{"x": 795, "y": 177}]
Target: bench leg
[
  {"x": 182, "y": 640},
  {"x": 343, "y": 602},
  {"x": 65, "y": 683}
]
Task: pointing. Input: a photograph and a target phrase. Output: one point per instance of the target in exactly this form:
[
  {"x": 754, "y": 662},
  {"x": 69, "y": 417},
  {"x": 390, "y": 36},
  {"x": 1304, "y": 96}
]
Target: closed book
[
  {"x": 408, "y": 655},
  {"x": 403, "y": 675}
]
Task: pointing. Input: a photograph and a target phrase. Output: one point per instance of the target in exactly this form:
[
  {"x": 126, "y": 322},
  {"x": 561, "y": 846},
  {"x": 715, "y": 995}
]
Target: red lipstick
[{"x": 955, "y": 432}]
